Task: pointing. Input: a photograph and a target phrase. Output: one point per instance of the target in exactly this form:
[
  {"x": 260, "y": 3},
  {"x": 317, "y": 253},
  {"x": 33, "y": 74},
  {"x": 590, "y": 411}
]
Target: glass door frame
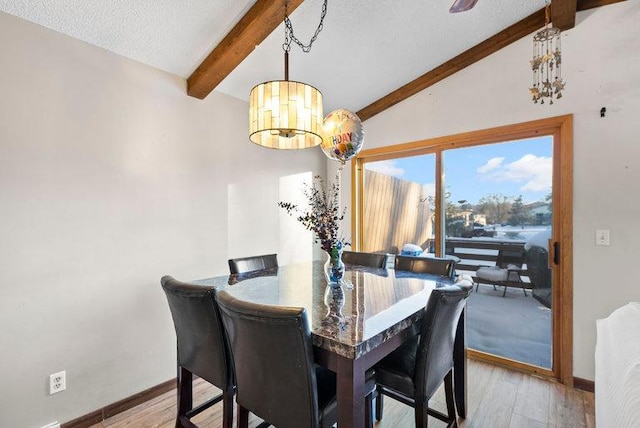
[{"x": 560, "y": 246}]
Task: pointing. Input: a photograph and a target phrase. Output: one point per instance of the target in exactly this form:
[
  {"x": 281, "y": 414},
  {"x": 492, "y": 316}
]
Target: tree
[
  {"x": 454, "y": 220},
  {"x": 519, "y": 214},
  {"x": 495, "y": 207}
]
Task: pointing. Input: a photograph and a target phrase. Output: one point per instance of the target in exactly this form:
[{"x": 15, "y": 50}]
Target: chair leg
[
  {"x": 227, "y": 409},
  {"x": 379, "y": 406},
  {"x": 504, "y": 293},
  {"x": 185, "y": 393},
  {"x": 243, "y": 417},
  {"x": 451, "y": 405},
  {"x": 186, "y": 423},
  {"x": 368, "y": 404},
  {"x": 422, "y": 415}
]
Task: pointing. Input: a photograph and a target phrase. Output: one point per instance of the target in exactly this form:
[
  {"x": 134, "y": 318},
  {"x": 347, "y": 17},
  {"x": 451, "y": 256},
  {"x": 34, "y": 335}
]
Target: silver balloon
[{"x": 342, "y": 135}]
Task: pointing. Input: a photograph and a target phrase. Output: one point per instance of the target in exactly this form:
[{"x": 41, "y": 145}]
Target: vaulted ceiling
[{"x": 368, "y": 56}]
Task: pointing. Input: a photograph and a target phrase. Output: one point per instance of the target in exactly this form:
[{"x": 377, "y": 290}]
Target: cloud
[
  {"x": 492, "y": 164},
  {"x": 535, "y": 172},
  {"x": 428, "y": 190},
  {"x": 387, "y": 167}
]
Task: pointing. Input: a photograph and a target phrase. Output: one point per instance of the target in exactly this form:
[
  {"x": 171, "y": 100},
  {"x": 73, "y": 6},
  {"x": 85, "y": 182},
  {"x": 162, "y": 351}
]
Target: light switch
[{"x": 602, "y": 237}]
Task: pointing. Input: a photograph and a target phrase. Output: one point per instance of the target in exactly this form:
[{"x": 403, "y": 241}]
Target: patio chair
[
  {"x": 506, "y": 272},
  {"x": 537, "y": 259}
]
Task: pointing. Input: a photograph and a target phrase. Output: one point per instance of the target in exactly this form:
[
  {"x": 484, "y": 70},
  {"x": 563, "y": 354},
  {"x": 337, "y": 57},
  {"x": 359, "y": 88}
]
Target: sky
[{"x": 523, "y": 167}]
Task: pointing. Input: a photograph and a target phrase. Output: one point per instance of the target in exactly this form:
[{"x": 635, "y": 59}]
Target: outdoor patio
[{"x": 514, "y": 326}]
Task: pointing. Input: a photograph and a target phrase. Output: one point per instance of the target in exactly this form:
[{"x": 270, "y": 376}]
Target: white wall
[
  {"x": 601, "y": 66},
  {"x": 110, "y": 177}
]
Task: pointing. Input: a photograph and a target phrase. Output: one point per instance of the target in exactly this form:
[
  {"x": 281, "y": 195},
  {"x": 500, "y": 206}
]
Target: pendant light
[{"x": 285, "y": 114}]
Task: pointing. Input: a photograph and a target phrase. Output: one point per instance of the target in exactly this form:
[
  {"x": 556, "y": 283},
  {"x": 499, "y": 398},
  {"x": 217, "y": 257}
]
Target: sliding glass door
[
  {"x": 492, "y": 205},
  {"x": 498, "y": 224}
]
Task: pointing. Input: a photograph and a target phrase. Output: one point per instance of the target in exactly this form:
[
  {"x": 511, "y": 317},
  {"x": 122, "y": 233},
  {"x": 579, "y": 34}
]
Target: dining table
[{"x": 354, "y": 324}]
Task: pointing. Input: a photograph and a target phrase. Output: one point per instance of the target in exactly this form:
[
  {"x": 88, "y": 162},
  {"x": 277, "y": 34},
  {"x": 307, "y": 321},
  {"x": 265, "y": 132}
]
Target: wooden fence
[{"x": 395, "y": 213}]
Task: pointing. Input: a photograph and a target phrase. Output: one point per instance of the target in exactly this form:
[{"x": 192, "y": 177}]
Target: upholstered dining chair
[
  {"x": 437, "y": 266},
  {"x": 412, "y": 373},
  {"x": 364, "y": 259},
  {"x": 202, "y": 349},
  {"x": 253, "y": 263},
  {"x": 277, "y": 379}
]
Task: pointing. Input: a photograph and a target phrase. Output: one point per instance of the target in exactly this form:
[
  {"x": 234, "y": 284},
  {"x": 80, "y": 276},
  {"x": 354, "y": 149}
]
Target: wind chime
[{"x": 546, "y": 63}]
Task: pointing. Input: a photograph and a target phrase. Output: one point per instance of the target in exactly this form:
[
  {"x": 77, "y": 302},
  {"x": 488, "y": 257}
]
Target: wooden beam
[
  {"x": 260, "y": 21},
  {"x": 590, "y": 4},
  {"x": 493, "y": 44},
  {"x": 563, "y": 14}
]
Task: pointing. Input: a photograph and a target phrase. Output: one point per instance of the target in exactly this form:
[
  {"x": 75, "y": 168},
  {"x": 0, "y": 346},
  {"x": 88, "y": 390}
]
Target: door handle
[{"x": 554, "y": 257}]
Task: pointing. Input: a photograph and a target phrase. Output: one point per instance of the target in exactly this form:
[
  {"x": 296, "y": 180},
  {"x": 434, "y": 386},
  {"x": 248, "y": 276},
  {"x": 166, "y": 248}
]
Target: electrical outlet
[{"x": 57, "y": 382}]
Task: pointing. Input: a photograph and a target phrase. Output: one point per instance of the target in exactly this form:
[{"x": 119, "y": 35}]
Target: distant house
[
  {"x": 540, "y": 212},
  {"x": 470, "y": 218}
]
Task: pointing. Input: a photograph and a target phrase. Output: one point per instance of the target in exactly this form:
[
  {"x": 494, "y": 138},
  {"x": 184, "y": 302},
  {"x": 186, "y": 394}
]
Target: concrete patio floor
[{"x": 514, "y": 326}]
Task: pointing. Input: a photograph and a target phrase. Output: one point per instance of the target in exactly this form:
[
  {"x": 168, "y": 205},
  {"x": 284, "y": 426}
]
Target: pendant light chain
[
  {"x": 285, "y": 114},
  {"x": 290, "y": 37}
]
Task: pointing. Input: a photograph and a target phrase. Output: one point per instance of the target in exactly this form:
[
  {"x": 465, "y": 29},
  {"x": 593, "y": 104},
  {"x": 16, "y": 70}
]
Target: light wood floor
[{"x": 497, "y": 398}]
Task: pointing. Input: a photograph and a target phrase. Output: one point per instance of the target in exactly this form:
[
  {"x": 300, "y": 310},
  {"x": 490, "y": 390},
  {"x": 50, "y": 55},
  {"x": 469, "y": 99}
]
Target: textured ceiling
[{"x": 366, "y": 49}]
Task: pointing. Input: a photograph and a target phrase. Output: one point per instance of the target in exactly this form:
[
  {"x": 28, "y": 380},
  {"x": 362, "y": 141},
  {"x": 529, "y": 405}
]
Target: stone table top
[{"x": 348, "y": 320}]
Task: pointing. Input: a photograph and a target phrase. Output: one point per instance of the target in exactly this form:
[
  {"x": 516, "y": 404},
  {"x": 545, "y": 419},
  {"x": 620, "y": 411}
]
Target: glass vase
[
  {"x": 334, "y": 266},
  {"x": 334, "y": 301}
]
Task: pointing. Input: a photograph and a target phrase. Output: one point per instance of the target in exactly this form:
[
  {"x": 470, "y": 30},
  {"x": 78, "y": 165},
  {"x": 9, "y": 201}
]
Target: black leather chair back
[
  {"x": 201, "y": 343},
  {"x": 253, "y": 263},
  {"x": 272, "y": 350},
  {"x": 434, "y": 357},
  {"x": 364, "y": 259},
  {"x": 444, "y": 267}
]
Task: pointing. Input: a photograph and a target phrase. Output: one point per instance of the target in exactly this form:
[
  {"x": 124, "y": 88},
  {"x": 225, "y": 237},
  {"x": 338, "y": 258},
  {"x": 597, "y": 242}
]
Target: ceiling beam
[
  {"x": 260, "y": 21},
  {"x": 493, "y": 44},
  {"x": 563, "y": 14},
  {"x": 590, "y": 4}
]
